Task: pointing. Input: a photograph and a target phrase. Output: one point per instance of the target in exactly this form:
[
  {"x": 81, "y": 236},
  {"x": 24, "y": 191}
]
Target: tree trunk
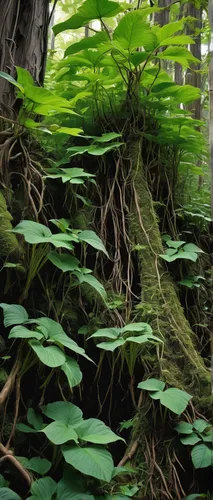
[
  {"x": 23, "y": 42},
  {"x": 193, "y": 77}
]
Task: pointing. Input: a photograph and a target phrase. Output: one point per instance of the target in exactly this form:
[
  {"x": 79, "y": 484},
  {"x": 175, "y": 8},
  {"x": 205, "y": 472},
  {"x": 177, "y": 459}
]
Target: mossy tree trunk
[{"x": 180, "y": 364}]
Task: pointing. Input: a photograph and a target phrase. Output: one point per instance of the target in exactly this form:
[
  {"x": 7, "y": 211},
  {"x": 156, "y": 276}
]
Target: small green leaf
[
  {"x": 191, "y": 247},
  {"x": 190, "y": 440},
  {"x": 184, "y": 428},
  {"x": 137, "y": 327},
  {"x": 72, "y": 371},
  {"x": 14, "y": 314},
  {"x": 200, "y": 425},
  {"x": 202, "y": 456},
  {"x": 108, "y": 333},
  {"x": 92, "y": 461},
  {"x": 111, "y": 346},
  {"x": 36, "y": 464},
  {"x": 152, "y": 384},
  {"x": 60, "y": 433},
  {"x": 93, "y": 282},
  {"x": 92, "y": 239},
  {"x": 50, "y": 356},
  {"x": 34, "y": 419},
  {"x": 141, "y": 339},
  {"x": 20, "y": 332},
  {"x": 11, "y": 80}
]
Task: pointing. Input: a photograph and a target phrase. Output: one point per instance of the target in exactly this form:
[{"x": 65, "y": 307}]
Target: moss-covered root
[
  {"x": 9, "y": 245},
  {"x": 181, "y": 364}
]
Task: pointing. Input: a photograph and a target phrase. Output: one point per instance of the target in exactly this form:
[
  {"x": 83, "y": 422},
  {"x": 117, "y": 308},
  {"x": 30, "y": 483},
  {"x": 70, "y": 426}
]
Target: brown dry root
[
  {"x": 8, "y": 455},
  {"x": 9, "y": 385}
]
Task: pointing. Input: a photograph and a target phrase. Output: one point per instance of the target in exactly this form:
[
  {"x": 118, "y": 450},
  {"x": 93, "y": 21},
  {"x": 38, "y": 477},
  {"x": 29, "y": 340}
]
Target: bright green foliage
[
  {"x": 180, "y": 250},
  {"x": 200, "y": 430},
  {"x": 172, "y": 398}
]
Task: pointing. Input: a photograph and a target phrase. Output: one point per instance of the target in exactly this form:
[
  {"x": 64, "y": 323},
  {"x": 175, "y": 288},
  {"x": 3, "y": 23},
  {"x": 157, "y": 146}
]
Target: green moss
[
  {"x": 181, "y": 365},
  {"x": 9, "y": 245}
]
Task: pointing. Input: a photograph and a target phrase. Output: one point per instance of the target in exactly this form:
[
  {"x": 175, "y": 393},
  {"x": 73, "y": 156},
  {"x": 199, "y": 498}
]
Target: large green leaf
[
  {"x": 174, "y": 399},
  {"x": 35, "y": 233},
  {"x": 64, "y": 412},
  {"x": 137, "y": 327},
  {"x": 95, "y": 431},
  {"x": 92, "y": 239},
  {"x": 111, "y": 346},
  {"x": 43, "y": 489},
  {"x": 180, "y": 55},
  {"x": 108, "y": 333},
  {"x": 133, "y": 32},
  {"x": 202, "y": 456},
  {"x": 50, "y": 356},
  {"x": 63, "y": 340},
  {"x": 87, "y": 43},
  {"x": 60, "y": 433},
  {"x": 72, "y": 371},
  {"x": 64, "y": 261},
  {"x": 11, "y": 80},
  {"x": 20, "y": 332},
  {"x": 178, "y": 40},
  {"x": 7, "y": 493},
  {"x": 41, "y": 95},
  {"x": 92, "y": 460},
  {"x": 89, "y": 10},
  {"x": 141, "y": 339},
  {"x": 24, "y": 77},
  {"x": 14, "y": 314},
  {"x": 168, "y": 30},
  {"x": 152, "y": 384}
]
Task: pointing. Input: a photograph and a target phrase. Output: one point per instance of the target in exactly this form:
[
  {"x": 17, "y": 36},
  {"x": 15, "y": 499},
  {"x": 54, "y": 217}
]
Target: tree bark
[{"x": 23, "y": 42}]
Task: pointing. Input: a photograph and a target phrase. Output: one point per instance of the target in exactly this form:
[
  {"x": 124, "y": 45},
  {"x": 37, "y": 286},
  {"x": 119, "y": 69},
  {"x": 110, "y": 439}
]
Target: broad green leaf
[
  {"x": 175, "y": 400},
  {"x": 191, "y": 439},
  {"x": 63, "y": 340},
  {"x": 152, "y": 384},
  {"x": 178, "y": 40},
  {"x": 93, "y": 282},
  {"x": 96, "y": 150},
  {"x": 72, "y": 487},
  {"x": 108, "y": 333},
  {"x": 137, "y": 327},
  {"x": 34, "y": 419},
  {"x": 3, "y": 482},
  {"x": 7, "y": 493},
  {"x": 35, "y": 233},
  {"x": 51, "y": 109},
  {"x": 89, "y": 10},
  {"x": 92, "y": 461},
  {"x": 111, "y": 346},
  {"x": 50, "y": 356},
  {"x": 69, "y": 131},
  {"x": 87, "y": 43},
  {"x": 141, "y": 339},
  {"x": 202, "y": 456},
  {"x": 48, "y": 326},
  {"x": 95, "y": 431},
  {"x": 129, "y": 490},
  {"x": 200, "y": 425},
  {"x": 72, "y": 371},
  {"x": 133, "y": 32},
  {"x": 77, "y": 172},
  {"x": 92, "y": 239},
  {"x": 41, "y": 95},
  {"x": 36, "y": 464},
  {"x": 23, "y": 77},
  {"x": 169, "y": 29},
  {"x": 191, "y": 247},
  {"x": 178, "y": 54},
  {"x": 64, "y": 261},
  {"x": 64, "y": 412},
  {"x": 60, "y": 433},
  {"x": 14, "y": 314},
  {"x": 43, "y": 489},
  {"x": 20, "y": 332},
  {"x": 180, "y": 255},
  {"x": 11, "y": 80},
  {"x": 184, "y": 428},
  {"x": 175, "y": 244},
  {"x": 107, "y": 137},
  {"x": 25, "y": 428}
]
